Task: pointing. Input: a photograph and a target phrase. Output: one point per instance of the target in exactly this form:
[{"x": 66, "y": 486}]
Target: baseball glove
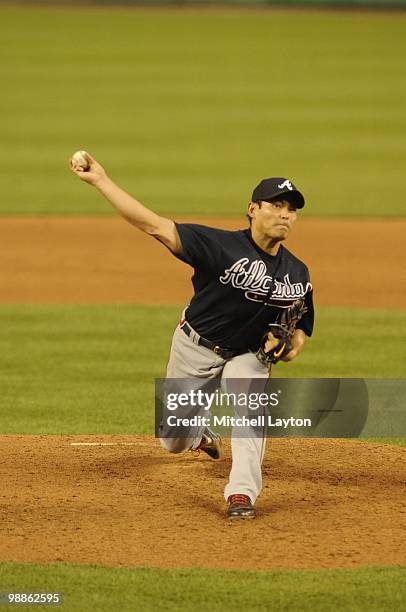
[{"x": 282, "y": 331}]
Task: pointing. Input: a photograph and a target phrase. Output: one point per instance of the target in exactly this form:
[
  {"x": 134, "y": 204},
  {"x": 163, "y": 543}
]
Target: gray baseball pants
[{"x": 190, "y": 360}]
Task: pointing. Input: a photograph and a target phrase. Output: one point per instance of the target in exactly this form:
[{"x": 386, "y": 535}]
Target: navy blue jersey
[{"x": 239, "y": 288}]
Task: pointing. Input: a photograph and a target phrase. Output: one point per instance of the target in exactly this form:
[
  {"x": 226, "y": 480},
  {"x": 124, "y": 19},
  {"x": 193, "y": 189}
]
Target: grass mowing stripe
[
  {"x": 81, "y": 369},
  {"x": 91, "y": 369},
  {"x": 150, "y": 589},
  {"x": 189, "y": 109}
]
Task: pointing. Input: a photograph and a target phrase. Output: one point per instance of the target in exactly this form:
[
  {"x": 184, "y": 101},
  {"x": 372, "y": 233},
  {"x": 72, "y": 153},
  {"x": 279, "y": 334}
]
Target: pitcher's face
[{"x": 273, "y": 219}]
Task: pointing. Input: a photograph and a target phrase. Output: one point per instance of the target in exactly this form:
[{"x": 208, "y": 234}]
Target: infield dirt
[
  {"x": 326, "y": 503},
  {"x": 353, "y": 262}
]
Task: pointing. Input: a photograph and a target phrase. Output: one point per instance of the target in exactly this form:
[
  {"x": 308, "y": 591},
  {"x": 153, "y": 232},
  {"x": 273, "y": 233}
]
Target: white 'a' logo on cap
[{"x": 287, "y": 184}]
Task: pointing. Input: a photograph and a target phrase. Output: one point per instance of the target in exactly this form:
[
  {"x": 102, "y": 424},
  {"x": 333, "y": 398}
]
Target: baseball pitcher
[{"x": 252, "y": 307}]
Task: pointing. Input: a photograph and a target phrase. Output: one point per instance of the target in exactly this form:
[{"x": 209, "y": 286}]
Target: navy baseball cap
[{"x": 273, "y": 188}]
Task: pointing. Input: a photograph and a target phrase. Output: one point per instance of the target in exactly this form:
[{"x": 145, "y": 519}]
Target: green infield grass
[
  {"x": 91, "y": 369},
  {"x": 189, "y": 109},
  {"x": 105, "y": 589}
]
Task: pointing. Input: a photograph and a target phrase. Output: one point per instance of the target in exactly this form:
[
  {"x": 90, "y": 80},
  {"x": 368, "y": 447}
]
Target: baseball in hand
[{"x": 81, "y": 159}]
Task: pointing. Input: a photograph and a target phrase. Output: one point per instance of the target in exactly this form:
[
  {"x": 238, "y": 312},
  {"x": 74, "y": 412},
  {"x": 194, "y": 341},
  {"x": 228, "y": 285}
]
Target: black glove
[{"x": 283, "y": 331}]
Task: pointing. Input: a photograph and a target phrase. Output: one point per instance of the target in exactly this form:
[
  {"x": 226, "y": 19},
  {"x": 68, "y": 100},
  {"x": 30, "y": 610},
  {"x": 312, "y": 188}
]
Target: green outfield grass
[
  {"x": 91, "y": 369},
  {"x": 189, "y": 109},
  {"x": 375, "y": 589}
]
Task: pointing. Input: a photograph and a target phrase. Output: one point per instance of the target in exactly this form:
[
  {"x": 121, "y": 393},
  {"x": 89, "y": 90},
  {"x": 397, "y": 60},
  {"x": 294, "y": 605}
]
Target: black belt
[{"x": 222, "y": 352}]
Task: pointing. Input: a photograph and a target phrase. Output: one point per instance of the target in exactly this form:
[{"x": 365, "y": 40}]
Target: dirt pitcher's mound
[{"x": 326, "y": 503}]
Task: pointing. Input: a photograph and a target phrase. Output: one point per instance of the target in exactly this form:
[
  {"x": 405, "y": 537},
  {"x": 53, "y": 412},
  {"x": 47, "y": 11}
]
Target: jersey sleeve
[
  {"x": 201, "y": 245},
  {"x": 306, "y": 323}
]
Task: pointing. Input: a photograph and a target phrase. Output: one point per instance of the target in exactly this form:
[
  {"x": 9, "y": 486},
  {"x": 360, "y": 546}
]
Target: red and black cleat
[
  {"x": 240, "y": 506},
  {"x": 210, "y": 444}
]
